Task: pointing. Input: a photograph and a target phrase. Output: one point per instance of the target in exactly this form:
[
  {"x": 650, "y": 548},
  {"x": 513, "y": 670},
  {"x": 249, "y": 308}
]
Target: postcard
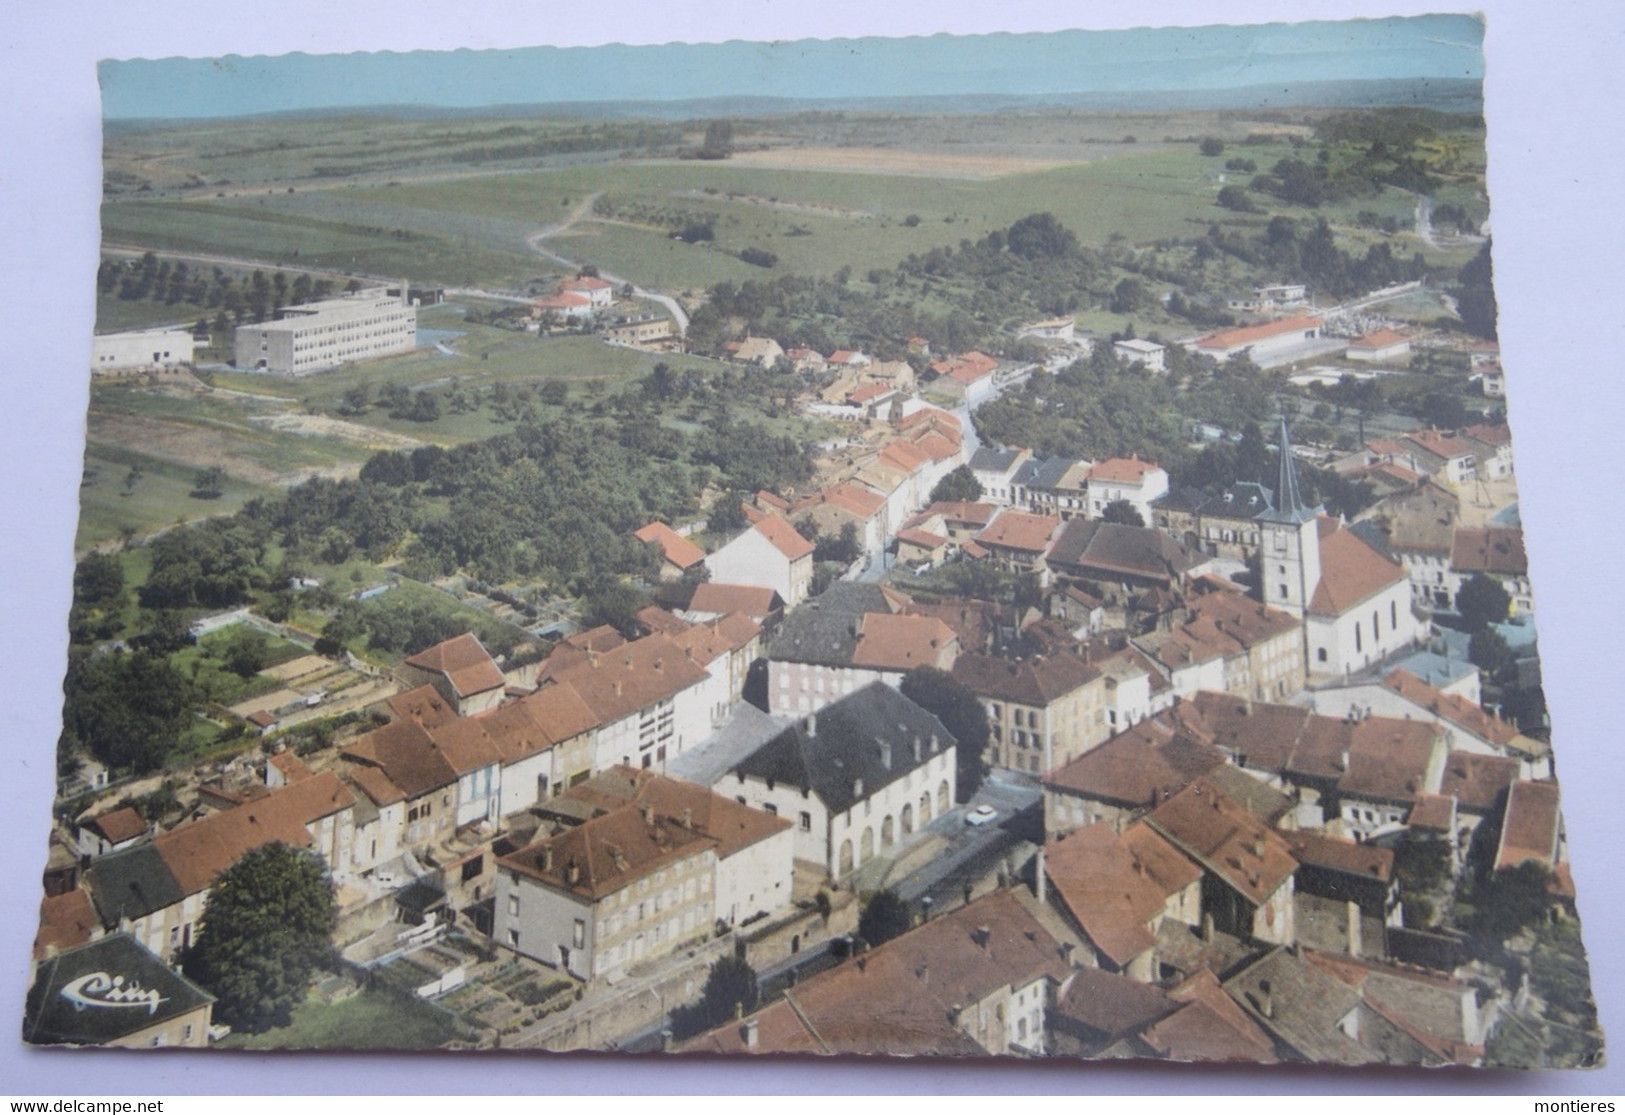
[{"x": 952, "y": 547}]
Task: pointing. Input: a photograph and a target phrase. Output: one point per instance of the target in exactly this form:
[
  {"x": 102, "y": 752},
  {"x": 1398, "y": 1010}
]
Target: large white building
[
  {"x": 321, "y": 335},
  {"x": 144, "y": 351}
]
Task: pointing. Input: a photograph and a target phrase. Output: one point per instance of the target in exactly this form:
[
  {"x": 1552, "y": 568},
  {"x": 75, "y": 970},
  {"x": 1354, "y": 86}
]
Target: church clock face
[{"x": 1280, "y": 540}]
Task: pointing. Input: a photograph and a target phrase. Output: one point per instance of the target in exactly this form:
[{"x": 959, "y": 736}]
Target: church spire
[{"x": 1289, "y": 504}]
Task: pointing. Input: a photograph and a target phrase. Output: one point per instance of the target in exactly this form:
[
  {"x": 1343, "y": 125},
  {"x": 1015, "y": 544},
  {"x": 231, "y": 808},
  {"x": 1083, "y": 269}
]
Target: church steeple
[
  {"x": 1289, "y": 506},
  {"x": 1289, "y": 558}
]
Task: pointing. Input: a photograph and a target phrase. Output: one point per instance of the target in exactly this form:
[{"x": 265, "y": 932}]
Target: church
[{"x": 1355, "y": 602}]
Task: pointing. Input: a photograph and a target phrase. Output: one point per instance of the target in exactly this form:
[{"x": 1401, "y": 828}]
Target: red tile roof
[
  {"x": 462, "y": 661},
  {"x": 1122, "y": 470},
  {"x": 1382, "y": 338},
  {"x": 1489, "y": 550},
  {"x": 784, "y": 537},
  {"x": 1351, "y": 572},
  {"x": 1530, "y": 828},
  {"x": 1019, "y": 530},
  {"x": 65, "y": 921},
  {"x": 1452, "y": 708},
  {"x": 1209, "y": 826},
  {"x": 423, "y": 705},
  {"x": 1210, "y": 1027},
  {"x": 1316, "y": 849},
  {"x": 1106, "y": 891},
  {"x": 750, "y": 600},
  {"x": 902, "y": 642},
  {"x": 197, "y": 853},
  {"x": 678, "y": 550},
  {"x": 118, "y": 825},
  {"x": 1251, "y": 334},
  {"x": 901, "y": 998},
  {"x": 1137, "y": 768}
]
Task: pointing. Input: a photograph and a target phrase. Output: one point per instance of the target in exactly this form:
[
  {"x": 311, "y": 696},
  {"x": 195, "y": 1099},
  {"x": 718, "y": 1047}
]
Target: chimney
[
  {"x": 923, "y": 973},
  {"x": 857, "y": 787},
  {"x": 812, "y": 723},
  {"x": 749, "y": 1032},
  {"x": 688, "y": 818},
  {"x": 885, "y": 755},
  {"x": 1038, "y": 876},
  {"x": 1207, "y": 927},
  {"x": 1266, "y": 1001},
  {"x": 572, "y": 873},
  {"x": 1343, "y": 760},
  {"x": 982, "y": 935},
  {"x": 648, "y": 812},
  {"x": 1068, "y": 949},
  {"x": 547, "y": 859},
  {"x": 665, "y": 1040},
  {"x": 916, "y": 750}
]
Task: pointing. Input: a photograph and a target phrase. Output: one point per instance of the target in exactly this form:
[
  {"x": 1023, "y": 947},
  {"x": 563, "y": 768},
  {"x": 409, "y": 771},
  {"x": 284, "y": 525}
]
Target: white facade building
[{"x": 321, "y": 335}]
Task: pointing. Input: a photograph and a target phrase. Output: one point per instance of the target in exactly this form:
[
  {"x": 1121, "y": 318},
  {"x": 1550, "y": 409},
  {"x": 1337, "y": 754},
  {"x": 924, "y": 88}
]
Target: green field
[
  {"x": 160, "y": 497},
  {"x": 472, "y": 229}
]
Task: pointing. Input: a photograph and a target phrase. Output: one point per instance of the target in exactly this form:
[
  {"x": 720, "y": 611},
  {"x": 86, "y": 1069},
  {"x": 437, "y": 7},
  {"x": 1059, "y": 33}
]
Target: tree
[
  {"x": 1475, "y": 301},
  {"x": 1236, "y": 198},
  {"x": 960, "y": 485},
  {"x": 885, "y": 916},
  {"x": 615, "y": 602},
  {"x": 265, "y": 929},
  {"x": 1482, "y": 601},
  {"x": 719, "y": 140},
  {"x": 246, "y": 652},
  {"x": 961, "y": 713},
  {"x": 1124, "y": 512},
  {"x": 1507, "y": 902},
  {"x": 1212, "y": 146},
  {"x": 208, "y": 482},
  {"x": 128, "y": 710},
  {"x": 1489, "y": 652},
  {"x": 98, "y": 580},
  {"x": 730, "y": 986},
  {"x": 1040, "y": 236}
]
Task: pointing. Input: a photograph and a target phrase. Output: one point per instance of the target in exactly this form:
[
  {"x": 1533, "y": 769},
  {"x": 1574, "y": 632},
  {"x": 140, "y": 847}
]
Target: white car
[{"x": 981, "y": 815}]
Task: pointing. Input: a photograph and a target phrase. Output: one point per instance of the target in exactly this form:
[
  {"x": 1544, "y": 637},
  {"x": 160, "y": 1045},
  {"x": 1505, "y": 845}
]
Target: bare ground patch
[{"x": 868, "y": 160}]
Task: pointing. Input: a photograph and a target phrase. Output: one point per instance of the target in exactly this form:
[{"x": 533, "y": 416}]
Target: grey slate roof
[
  {"x": 987, "y": 459},
  {"x": 1091, "y": 544},
  {"x": 747, "y": 730},
  {"x": 1182, "y": 499},
  {"x": 1243, "y": 500},
  {"x": 1047, "y": 474},
  {"x": 132, "y": 884},
  {"x": 823, "y": 631},
  {"x": 60, "y": 1013},
  {"x": 1026, "y": 474},
  {"x": 847, "y": 743}
]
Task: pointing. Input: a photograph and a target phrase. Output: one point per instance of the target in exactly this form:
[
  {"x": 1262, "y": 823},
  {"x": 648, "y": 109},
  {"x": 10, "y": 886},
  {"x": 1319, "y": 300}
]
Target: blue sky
[{"x": 1443, "y": 46}]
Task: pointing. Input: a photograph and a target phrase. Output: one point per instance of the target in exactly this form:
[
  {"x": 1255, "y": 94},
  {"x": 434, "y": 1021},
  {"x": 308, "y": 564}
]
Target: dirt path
[{"x": 581, "y": 212}]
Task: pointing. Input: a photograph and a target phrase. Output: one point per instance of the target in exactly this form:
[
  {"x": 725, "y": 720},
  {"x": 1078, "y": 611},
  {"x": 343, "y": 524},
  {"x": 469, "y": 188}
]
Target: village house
[
  {"x": 1492, "y": 445},
  {"x": 1018, "y": 541},
  {"x": 713, "y": 600},
  {"x": 810, "y": 659},
  {"x": 1353, "y": 889},
  {"x": 1446, "y": 458},
  {"x": 1383, "y": 346},
  {"x": 1418, "y": 527},
  {"x": 565, "y": 304},
  {"x": 677, "y": 554},
  {"x": 461, "y": 670},
  {"x": 761, "y": 351},
  {"x": 769, "y": 554},
  {"x": 112, "y": 831},
  {"x": 970, "y": 377},
  {"x": 1058, "y": 486},
  {"x": 1531, "y": 827},
  {"x": 639, "y": 329},
  {"x": 995, "y": 470},
  {"x": 650, "y": 697},
  {"x": 1497, "y": 553},
  {"x": 1466, "y": 726},
  {"x": 1247, "y": 867},
  {"x": 977, "y": 981},
  {"x": 1043, "y": 711},
  {"x": 1117, "y": 889},
  {"x": 848, "y": 502},
  {"x": 659, "y": 869},
  {"x": 1123, "y": 778},
  {"x": 599, "y": 292},
  {"x": 1224, "y": 641},
  {"x": 1129, "y": 480},
  {"x": 855, "y": 777},
  {"x": 1227, "y": 524},
  {"x": 113, "y": 992},
  {"x": 1147, "y": 354},
  {"x": 1311, "y": 1015},
  {"x": 156, "y": 891},
  {"x": 1124, "y": 557}
]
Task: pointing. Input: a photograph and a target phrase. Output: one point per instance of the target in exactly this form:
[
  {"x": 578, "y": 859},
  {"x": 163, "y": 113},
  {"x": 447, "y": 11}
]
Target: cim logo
[{"x": 98, "y": 989}]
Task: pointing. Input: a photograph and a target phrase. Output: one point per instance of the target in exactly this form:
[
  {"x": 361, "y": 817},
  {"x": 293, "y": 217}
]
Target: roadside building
[
  {"x": 112, "y": 992},
  {"x": 856, "y": 777},
  {"x": 150, "y": 350},
  {"x": 1043, "y": 711}
]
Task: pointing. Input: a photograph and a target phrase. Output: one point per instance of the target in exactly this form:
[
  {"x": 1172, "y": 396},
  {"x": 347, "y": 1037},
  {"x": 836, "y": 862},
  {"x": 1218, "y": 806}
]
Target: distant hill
[{"x": 1453, "y": 95}]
